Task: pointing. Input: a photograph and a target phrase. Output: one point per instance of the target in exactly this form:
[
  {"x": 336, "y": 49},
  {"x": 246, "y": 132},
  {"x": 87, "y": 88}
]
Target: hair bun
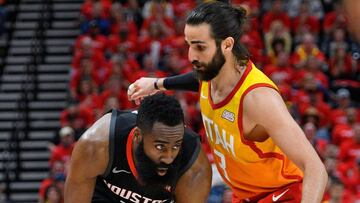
[{"x": 241, "y": 14}]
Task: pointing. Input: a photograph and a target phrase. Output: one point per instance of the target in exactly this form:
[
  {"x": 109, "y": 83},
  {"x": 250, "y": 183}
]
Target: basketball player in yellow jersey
[{"x": 258, "y": 148}]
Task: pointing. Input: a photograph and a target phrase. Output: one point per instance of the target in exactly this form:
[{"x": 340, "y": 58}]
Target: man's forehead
[
  {"x": 197, "y": 34},
  {"x": 164, "y": 132}
]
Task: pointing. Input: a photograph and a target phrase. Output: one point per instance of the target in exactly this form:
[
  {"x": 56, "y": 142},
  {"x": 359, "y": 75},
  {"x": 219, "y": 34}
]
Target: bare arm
[
  {"x": 196, "y": 181},
  {"x": 88, "y": 160},
  {"x": 272, "y": 114},
  {"x": 352, "y": 8}
]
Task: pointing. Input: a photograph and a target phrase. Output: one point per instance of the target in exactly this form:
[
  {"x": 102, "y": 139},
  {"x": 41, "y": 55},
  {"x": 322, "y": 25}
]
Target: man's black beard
[
  {"x": 147, "y": 169},
  {"x": 212, "y": 69}
]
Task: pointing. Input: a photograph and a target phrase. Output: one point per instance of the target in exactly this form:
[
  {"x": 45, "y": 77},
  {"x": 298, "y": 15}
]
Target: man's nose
[
  {"x": 167, "y": 157},
  {"x": 192, "y": 56}
]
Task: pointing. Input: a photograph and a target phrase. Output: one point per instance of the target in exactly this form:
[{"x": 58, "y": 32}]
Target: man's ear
[
  {"x": 227, "y": 44},
  {"x": 137, "y": 135}
]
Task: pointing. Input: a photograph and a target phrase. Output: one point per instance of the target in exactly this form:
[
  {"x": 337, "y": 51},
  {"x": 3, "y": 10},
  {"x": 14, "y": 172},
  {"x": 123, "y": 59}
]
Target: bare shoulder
[
  {"x": 263, "y": 97},
  {"x": 262, "y": 93},
  {"x": 98, "y": 133},
  {"x": 92, "y": 147}
]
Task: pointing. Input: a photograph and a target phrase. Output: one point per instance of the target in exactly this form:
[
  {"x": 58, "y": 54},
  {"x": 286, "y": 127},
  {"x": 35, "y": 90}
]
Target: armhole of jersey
[
  {"x": 111, "y": 142},
  {"x": 193, "y": 158}
]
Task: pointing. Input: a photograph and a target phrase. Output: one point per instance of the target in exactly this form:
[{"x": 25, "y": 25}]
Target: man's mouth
[
  {"x": 161, "y": 171},
  {"x": 198, "y": 68}
]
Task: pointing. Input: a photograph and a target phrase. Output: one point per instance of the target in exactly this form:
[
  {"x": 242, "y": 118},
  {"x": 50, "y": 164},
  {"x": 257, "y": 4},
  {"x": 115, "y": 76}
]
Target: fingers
[
  {"x": 138, "y": 101},
  {"x": 141, "y": 88}
]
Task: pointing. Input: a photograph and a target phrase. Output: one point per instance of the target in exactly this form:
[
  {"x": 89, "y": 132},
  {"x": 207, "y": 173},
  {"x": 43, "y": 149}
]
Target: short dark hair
[
  {"x": 159, "y": 108},
  {"x": 225, "y": 21}
]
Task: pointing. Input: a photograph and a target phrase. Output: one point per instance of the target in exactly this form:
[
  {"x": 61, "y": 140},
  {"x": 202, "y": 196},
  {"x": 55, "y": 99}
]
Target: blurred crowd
[{"x": 302, "y": 45}]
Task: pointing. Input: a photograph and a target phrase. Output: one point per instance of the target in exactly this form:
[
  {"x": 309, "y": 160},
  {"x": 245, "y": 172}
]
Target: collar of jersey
[{"x": 129, "y": 154}]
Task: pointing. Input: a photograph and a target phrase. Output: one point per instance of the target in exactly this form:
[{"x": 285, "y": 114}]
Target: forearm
[
  {"x": 314, "y": 183},
  {"x": 185, "y": 81}
]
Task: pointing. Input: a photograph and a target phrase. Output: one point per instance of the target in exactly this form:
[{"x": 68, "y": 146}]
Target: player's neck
[{"x": 227, "y": 78}]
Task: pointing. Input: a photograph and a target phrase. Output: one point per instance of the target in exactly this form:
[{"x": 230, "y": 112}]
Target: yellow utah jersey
[{"x": 249, "y": 168}]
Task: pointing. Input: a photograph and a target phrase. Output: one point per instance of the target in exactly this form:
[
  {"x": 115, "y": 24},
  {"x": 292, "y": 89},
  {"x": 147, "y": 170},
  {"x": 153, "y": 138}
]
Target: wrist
[
  {"x": 156, "y": 87},
  {"x": 159, "y": 84}
]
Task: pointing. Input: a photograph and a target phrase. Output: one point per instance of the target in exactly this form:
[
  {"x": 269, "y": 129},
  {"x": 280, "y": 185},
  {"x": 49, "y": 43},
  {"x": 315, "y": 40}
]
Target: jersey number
[{"x": 222, "y": 163}]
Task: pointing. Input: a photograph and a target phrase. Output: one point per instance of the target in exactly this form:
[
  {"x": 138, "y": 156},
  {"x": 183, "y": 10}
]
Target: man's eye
[
  {"x": 176, "y": 147},
  {"x": 200, "y": 48},
  {"x": 159, "y": 147}
]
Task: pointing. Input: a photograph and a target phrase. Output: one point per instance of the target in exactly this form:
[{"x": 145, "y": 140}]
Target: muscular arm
[
  {"x": 195, "y": 181},
  {"x": 88, "y": 160},
  {"x": 265, "y": 107}
]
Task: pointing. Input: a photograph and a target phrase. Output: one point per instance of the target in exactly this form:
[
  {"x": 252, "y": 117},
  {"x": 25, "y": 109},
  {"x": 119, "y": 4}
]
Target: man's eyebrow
[
  {"x": 195, "y": 42},
  {"x": 166, "y": 142}
]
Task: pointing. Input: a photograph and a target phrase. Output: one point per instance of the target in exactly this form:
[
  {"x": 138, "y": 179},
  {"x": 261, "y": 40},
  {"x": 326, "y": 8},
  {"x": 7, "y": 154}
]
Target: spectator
[
  {"x": 314, "y": 6},
  {"x": 337, "y": 41},
  {"x": 342, "y": 102},
  {"x": 133, "y": 11},
  {"x": 63, "y": 150},
  {"x": 77, "y": 117},
  {"x": 53, "y": 195},
  {"x": 115, "y": 88},
  {"x": 334, "y": 20},
  {"x": 56, "y": 177},
  {"x": 281, "y": 69},
  {"x": 154, "y": 7},
  {"x": 87, "y": 72},
  {"x": 350, "y": 148},
  {"x": 344, "y": 131},
  {"x": 277, "y": 32},
  {"x": 276, "y": 13},
  {"x": 252, "y": 39},
  {"x": 337, "y": 193},
  {"x": 123, "y": 31},
  {"x": 305, "y": 22},
  {"x": 306, "y": 49},
  {"x": 341, "y": 64}
]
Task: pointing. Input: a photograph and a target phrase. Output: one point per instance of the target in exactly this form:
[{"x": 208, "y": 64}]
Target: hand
[{"x": 141, "y": 88}]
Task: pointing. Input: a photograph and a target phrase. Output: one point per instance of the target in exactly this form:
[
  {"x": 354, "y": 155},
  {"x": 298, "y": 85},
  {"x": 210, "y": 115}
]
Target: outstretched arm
[
  {"x": 194, "y": 186},
  {"x": 147, "y": 86},
  {"x": 88, "y": 160},
  {"x": 272, "y": 114}
]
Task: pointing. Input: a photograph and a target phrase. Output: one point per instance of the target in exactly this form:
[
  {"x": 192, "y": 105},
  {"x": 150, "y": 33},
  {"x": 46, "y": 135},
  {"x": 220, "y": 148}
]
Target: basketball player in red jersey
[{"x": 258, "y": 148}]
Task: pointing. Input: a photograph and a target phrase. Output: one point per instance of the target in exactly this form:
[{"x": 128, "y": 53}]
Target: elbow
[
  {"x": 318, "y": 169},
  {"x": 324, "y": 173}
]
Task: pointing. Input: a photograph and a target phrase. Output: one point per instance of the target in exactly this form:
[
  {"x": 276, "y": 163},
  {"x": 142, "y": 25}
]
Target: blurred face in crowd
[
  {"x": 67, "y": 140},
  {"x": 336, "y": 191},
  {"x": 53, "y": 195},
  {"x": 277, "y": 6},
  {"x": 351, "y": 115},
  {"x": 308, "y": 42},
  {"x": 205, "y": 55},
  {"x": 356, "y": 129}
]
